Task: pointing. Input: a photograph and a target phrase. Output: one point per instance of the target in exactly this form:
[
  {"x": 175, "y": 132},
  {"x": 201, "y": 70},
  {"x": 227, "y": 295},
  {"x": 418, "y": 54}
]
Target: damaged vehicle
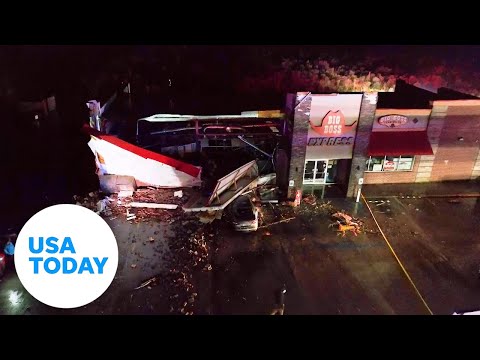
[{"x": 243, "y": 214}]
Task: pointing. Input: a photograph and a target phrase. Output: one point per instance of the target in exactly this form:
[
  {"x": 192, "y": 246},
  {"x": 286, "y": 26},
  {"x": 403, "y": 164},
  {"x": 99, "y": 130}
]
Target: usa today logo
[{"x": 66, "y": 256}]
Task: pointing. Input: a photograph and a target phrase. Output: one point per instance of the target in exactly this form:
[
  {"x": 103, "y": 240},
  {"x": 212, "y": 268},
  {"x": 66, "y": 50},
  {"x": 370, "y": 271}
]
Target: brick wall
[
  {"x": 454, "y": 159},
  {"x": 476, "y": 168},
  {"x": 299, "y": 142},
  {"x": 360, "y": 148}
]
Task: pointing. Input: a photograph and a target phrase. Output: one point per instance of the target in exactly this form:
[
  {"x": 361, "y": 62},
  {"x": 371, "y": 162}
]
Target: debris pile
[
  {"x": 345, "y": 222},
  {"x": 190, "y": 250},
  {"x": 95, "y": 201},
  {"x": 158, "y": 204},
  {"x": 341, "y": 221},
  {"x": 188, "y": 260},
  {"x": 151, "y": 195},
  {"x": 311, "y": 206},
  {"x": 188, "y": 257}
]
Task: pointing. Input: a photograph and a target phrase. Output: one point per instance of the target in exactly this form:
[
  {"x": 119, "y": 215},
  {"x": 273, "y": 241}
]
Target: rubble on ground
[
  {"x": 117, "y": 205},
  {"x": 189, "y": 248},
  {"x": 341, "y": 221},
  {"x": 189, "y": 256}
]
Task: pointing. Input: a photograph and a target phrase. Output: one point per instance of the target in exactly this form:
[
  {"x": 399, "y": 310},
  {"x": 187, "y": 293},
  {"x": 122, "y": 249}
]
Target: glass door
[
  {"x": 331, "y": 172},
  {"x": 315, "y": 172}
]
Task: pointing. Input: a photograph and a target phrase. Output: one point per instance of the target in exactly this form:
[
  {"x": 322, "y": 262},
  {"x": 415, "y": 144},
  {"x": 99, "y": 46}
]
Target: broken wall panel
[
  {"x": 231, "y": 179},
  {"x": 117, "y": 157}
]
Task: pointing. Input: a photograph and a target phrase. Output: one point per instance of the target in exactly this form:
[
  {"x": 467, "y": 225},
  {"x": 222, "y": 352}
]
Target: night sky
[{"x": 83, "y": 71}]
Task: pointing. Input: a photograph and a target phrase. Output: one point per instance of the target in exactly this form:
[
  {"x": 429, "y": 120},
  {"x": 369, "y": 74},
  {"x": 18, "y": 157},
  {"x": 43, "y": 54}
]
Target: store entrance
[
  {"x": 326, "y": 178},
  {"x": 320, "y": 171}
]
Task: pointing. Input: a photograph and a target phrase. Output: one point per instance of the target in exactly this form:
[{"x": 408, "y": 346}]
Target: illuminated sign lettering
[
  {"x": 333, "y": 123},
  {"x": 328, "y": 141}
]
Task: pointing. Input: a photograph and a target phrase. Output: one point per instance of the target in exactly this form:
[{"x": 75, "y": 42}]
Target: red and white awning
[{"x": 117, "y": 157}]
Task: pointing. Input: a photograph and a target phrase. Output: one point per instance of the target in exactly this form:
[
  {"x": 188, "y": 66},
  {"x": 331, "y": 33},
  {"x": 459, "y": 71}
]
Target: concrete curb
[
  {"x": 419, "y": 196},
  {"x": 473, "y": 195}
]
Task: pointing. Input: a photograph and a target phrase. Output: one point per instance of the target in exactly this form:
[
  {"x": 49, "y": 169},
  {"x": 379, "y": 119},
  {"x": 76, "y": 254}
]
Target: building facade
[{"x": 411, "y": 135}]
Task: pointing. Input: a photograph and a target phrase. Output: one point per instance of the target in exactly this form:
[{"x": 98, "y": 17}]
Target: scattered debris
[
  {"x": 207, "y": 217},
  {"x": 110, "y": 184},
  {"x": 342, "y": 229},
  {"x": 125, "y": 193},
  {"x": 345, "y": 219},
  {"x": 342, "y": 217},
  {"x": 151, "y": 239},
  {"x": 310, "y": 199},
  {"x": 178, "y": 194},
  {"x": 133, "y": 266},
  {"x": 153, "y": 205},
  {"x": 454, "y": 201},
  {"x": 276, "y": 222},
  {"x": 101, "y": 206},
  {"x": 344, "y": 222}
]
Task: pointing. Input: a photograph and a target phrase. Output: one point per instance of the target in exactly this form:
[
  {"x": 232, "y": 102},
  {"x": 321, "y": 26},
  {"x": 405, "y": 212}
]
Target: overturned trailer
[{"x": 117, "y": 157}]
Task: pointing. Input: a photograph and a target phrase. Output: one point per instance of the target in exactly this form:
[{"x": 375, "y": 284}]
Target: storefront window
[
  {"x": 406, "y": 162},
  {"x": 375, "y": 163},
  {"x": 390, "y": 163}
]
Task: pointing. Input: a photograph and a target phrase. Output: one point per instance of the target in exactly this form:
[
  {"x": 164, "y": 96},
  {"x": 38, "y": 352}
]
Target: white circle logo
[{"x": 66, "y": 256}]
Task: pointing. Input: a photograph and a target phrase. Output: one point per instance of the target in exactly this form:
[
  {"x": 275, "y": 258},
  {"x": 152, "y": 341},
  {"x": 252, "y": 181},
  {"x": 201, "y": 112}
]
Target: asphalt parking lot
[
  {"x": 436, "y": 240},
  {"x": 324, "y": 273}
]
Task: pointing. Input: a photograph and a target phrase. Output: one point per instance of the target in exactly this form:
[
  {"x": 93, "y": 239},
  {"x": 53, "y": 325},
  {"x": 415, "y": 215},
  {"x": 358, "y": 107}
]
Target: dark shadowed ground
[{"x": 436, "y": 240}]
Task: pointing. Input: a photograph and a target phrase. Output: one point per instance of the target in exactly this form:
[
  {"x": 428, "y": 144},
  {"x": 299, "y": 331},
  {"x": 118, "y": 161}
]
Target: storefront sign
[
  {"x": 401, "y": 119},
  {"x": 389, "y": 165},
  {"x": 332, "y": 126},
  {"x": 393, "y": 120}
]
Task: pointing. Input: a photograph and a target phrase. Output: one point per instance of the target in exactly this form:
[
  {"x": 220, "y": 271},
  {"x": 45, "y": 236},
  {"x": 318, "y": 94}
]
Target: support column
[
  {"x": 362, "y": 139},
  {"x": 301, "y": 115}
]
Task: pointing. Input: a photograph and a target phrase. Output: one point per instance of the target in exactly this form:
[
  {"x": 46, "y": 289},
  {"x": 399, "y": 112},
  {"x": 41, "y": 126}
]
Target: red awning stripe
[
  {"x": 396, "y": 143},
  {"x": 147, "y": 154}
]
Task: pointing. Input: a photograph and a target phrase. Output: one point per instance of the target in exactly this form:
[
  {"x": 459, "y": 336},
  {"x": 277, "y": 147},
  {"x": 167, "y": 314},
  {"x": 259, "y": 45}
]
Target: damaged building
[
  {"x": 332, "y": 143},
  {"x": 343, "y": 140}
]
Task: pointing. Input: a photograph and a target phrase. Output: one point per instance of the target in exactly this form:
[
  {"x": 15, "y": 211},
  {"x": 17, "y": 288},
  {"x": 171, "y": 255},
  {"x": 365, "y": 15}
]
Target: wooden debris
[
  {"x": 146, "y": 283},
  {"x": 153, "y": 205},
  {"x": 276, "y": 222}
]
